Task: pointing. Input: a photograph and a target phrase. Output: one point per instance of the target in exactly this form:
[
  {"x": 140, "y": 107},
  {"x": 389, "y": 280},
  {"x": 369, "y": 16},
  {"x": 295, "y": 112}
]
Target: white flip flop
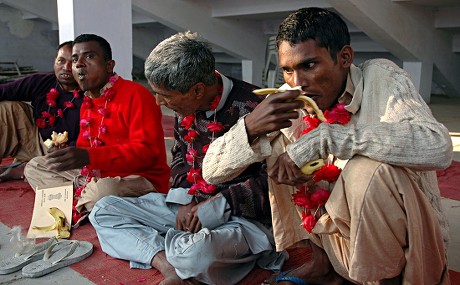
[
  {"x": 21, "y": 259},
  {"x": 73, "y": 251}
]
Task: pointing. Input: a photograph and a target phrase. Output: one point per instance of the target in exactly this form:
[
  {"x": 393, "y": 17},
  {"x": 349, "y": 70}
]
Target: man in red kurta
[{"x": 120, "y": 150}]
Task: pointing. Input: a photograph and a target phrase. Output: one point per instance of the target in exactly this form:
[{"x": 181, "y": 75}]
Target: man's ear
[
  {"x": 198, "y": 90},
  {"x": 345, "y": 56},
  {"x": 110, "y": 66}
]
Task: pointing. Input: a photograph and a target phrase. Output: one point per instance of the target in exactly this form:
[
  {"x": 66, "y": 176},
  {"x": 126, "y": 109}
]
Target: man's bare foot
[
  {"x": 160, "y": 262},
  {"x": 317, "y": 270},
  {"x": 176, "y": 280}
]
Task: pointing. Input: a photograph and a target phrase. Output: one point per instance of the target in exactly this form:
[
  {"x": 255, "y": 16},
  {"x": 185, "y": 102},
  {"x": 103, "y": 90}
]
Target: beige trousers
[
  {"x": 132, "y": 186},
  {"x": 286, "y": 218},
  {"x": 19, "y": 136},
  {"x": 379, "y": 224}
]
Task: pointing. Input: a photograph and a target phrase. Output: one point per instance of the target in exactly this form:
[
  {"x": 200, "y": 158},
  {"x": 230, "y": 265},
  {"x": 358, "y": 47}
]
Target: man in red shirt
[{"x": 120, "y": 150}]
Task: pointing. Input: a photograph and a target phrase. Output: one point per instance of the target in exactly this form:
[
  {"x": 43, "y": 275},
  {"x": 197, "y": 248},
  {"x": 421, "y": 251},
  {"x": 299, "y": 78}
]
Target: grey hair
[{"x": 181, "y": 61}]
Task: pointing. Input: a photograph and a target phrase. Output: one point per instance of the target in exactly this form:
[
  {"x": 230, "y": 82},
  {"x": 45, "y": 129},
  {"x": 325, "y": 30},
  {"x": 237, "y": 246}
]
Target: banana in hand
[
  {"x": 314, "y": 165},
  {"x": 307, "y": 100}
]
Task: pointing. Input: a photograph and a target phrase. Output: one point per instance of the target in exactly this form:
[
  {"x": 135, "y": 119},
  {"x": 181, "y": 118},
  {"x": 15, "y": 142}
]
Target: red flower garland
[
  {"x": 311, "y": 202},
  {"x": 328, "y": 172},
  {"x": 48, "y": 118},
  {"x": 95, "y": 141},
  {"x": 308, "y": 221},
  {"x": 194, "y": 175}
]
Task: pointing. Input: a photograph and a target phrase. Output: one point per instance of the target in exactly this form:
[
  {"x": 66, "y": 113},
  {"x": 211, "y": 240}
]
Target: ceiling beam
[
  {"x": 447, "y": 17},
  {"x": 241, "y": 8},
  {"x": 45, "y": 9},
  {"x": 407, "y": 31},
  {"x": 239, "y": 38}
]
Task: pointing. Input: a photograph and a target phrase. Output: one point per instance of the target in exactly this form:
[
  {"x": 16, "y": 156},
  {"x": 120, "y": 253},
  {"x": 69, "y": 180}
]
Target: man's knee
[
  {"x": 14, "y": 106},
  {"x": 105, "y": 202},
  {"x": 100, "y": 208},
  {"x": 32, "y": 170},
  {"x": 35, "y": 163},
  {"x": 364, "y": 178},
  {"x": 182, "y": 248},
  {"x": 365, "y": 187},
  {"x": 360, "y": 169},
  {"x": 16, "y": 110},
  {"x": 95, "y": 190},
  {"x": 218, "y": 246},
  {"x": 27, "y": 170}
]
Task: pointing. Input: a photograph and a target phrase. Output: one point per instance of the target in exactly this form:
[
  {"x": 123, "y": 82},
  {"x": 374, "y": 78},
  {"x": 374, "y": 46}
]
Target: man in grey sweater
[{"x": 383, "y": 221}]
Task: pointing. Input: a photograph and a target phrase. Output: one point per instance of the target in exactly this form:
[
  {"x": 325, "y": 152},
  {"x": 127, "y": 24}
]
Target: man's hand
[
  {"x": 193, "y": 221},
  {"x": 285, "y": 171},
  {"x": 182, "y": 215},
  {"x": 54, "y": 147},
  {"x": 272, "y": 114},
  {"x": 67, "y": 159},
  {"x": 187, "y": 217}
]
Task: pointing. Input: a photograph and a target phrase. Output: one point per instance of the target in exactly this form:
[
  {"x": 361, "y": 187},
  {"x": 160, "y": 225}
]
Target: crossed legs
[
  {"x": 141, "y": 230},
  {"x": 378, "y": 220},
  {"x": 20, "y": 137}
]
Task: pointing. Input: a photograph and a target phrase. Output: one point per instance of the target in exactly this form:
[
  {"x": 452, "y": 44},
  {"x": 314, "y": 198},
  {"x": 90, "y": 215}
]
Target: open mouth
[
  {"x": 81, "y": 75},
  {"x": 66, "y": 75}
]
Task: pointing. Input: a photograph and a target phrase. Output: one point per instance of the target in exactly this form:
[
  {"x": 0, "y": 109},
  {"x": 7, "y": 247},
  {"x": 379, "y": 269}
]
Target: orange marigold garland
[{"x": 312, "y": 202}]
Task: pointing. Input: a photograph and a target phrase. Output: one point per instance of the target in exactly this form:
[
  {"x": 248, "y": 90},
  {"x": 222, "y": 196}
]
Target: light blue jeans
[{"x": 136, "y": 229}]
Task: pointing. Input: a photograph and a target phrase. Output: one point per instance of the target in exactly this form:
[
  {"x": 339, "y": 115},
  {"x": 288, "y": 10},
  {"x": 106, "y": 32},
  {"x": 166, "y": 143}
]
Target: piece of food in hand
[
  {"x": 60, "y": 138},
  {"x": 266, "y": 91},
  {"x": 310, "y": 102},
  {"x": 307, "y": 100},
  {"x": 57, "y": 139},
  {"x": 48, "y": 143},
  {"x": 312, "y": 166}
]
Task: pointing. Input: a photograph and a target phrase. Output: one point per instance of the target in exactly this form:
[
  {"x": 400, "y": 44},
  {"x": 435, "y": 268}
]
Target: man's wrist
[{"x": 251, "y": 138}]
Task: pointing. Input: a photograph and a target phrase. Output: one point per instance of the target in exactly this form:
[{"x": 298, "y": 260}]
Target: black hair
[
  {"x": 107, "y": 50},
  {"x": 67, "y": 43},
  {"x": 325, "y": 27}
]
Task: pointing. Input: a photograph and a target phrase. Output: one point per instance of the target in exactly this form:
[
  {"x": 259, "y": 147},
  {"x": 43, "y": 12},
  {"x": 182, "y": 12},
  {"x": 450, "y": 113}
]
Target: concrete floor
[{"x": 446, "y": 110}]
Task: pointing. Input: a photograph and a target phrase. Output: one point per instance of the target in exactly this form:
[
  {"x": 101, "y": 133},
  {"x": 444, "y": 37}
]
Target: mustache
[{"x": 307, "y": 91}]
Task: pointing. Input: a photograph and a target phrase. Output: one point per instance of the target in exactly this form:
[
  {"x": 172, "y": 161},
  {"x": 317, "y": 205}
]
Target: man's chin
[
  {"x": 182, "y": 115},
  {"x": 68, "y": 81},
  {"x": 83, "y": 86}
]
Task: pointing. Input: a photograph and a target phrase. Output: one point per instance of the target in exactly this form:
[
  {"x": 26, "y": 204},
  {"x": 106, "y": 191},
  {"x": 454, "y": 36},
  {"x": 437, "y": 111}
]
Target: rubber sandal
[
  {"x": 5, "y": 173},
  {"x": 73, "y": 251},
  {"x": 282, "y": 277},
  {"x": 11, "y": 165},
  {"x": 10, "y": 168},
  {"x": 21, "y": 259}
]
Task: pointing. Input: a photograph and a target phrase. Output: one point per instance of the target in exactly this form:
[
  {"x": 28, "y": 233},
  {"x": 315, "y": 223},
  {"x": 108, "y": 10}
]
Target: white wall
[{"x": 36, "y": 40}]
